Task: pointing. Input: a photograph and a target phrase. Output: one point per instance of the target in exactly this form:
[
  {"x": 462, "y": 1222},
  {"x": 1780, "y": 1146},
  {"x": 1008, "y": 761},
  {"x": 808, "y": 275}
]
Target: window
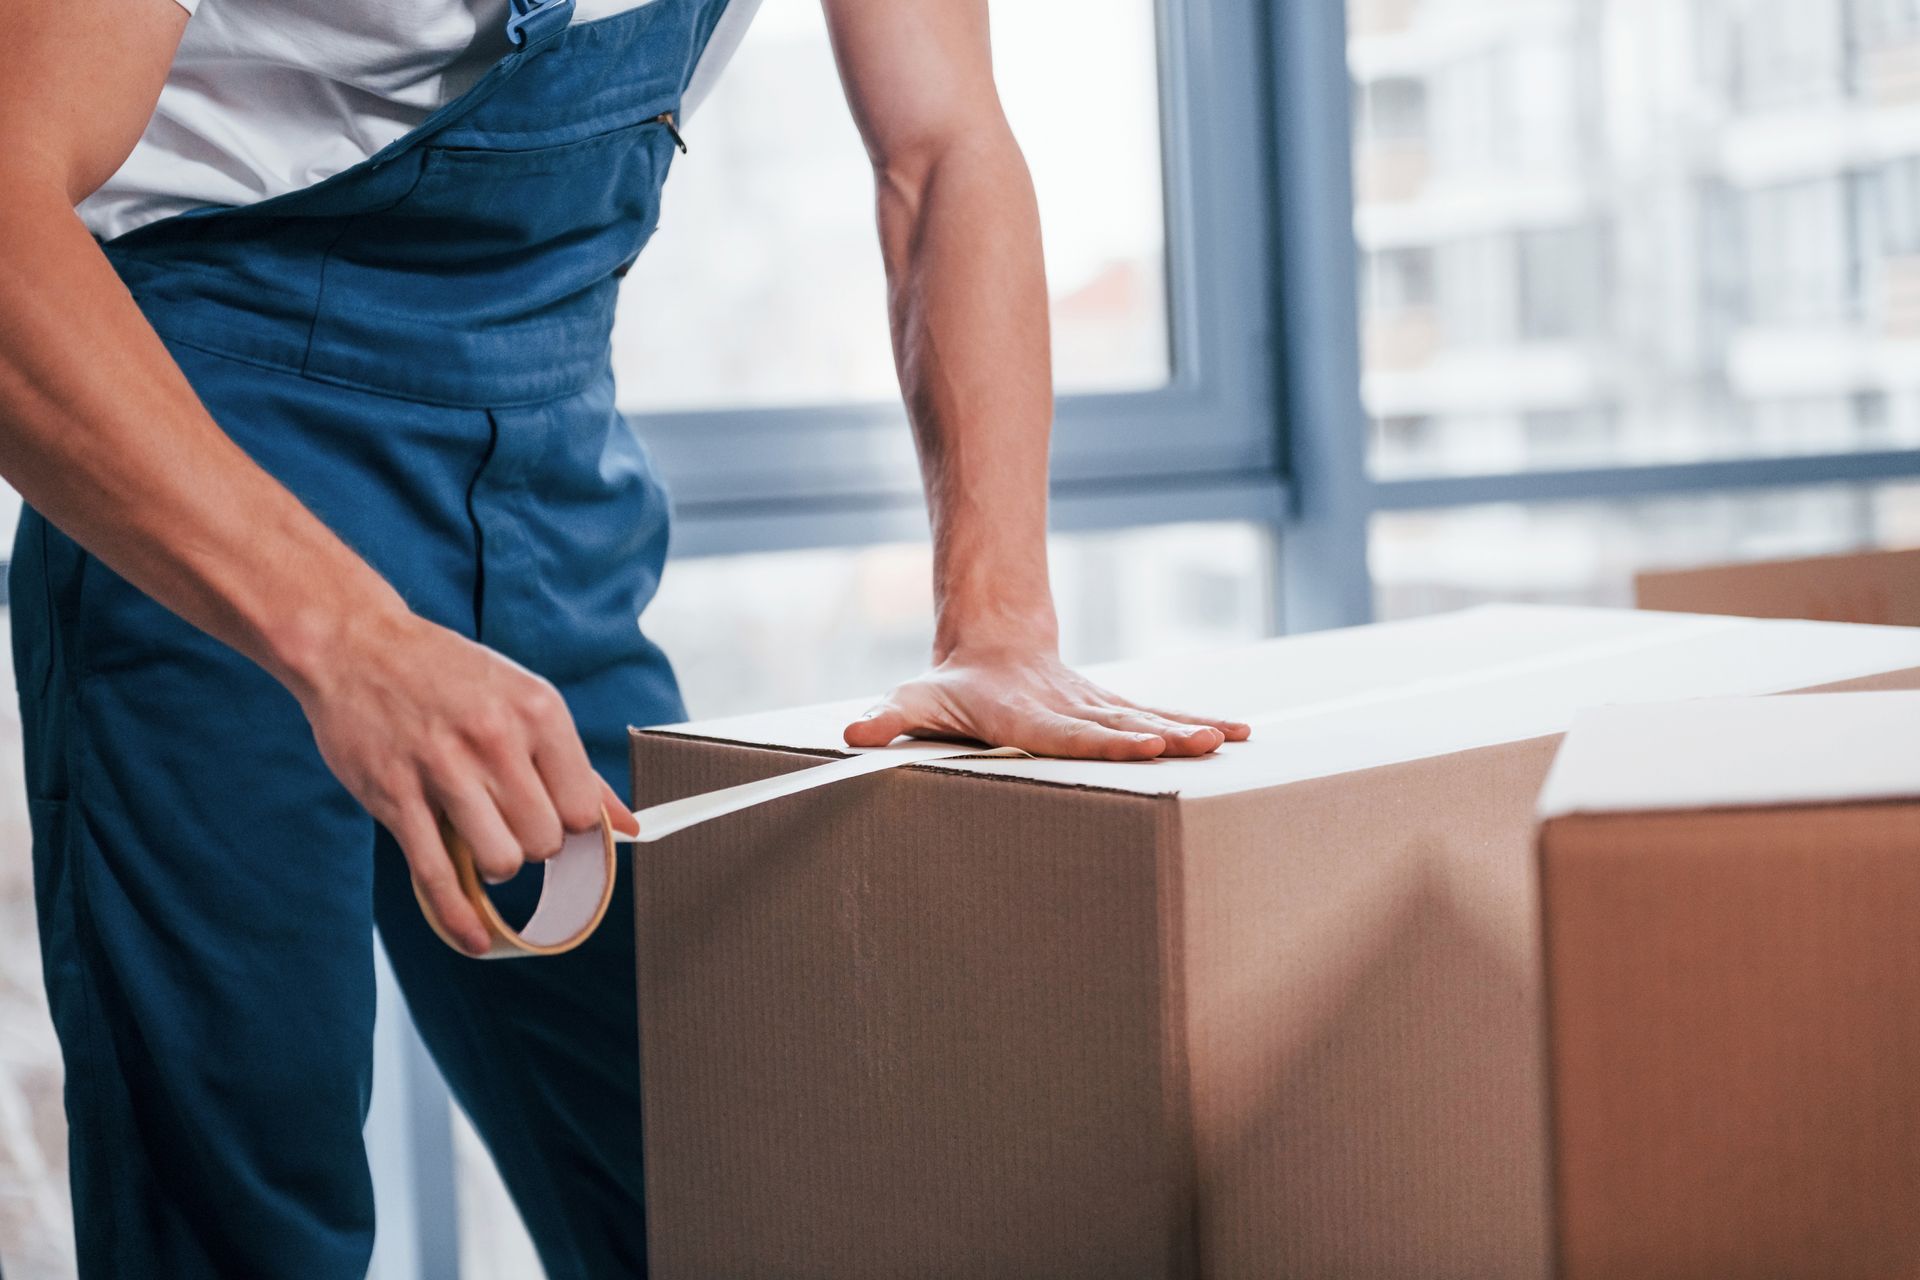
[
  {"x": 784, "y": 627},
  {"x": 764, "y": 285},
  {"x": 1799, "y": 250},
  {"x": 1657, "y": 234},
  {"x": 1588, "y": 552}
]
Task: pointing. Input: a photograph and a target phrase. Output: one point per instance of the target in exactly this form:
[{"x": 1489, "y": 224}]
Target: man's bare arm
[
  {"x": 960, "y": 232},
  {"x": 101, "y": 432}
]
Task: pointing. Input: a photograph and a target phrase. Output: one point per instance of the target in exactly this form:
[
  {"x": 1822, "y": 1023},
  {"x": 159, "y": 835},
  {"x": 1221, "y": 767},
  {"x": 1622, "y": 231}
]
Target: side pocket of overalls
[
  {"x": 42, "y": 584},
  {"x": 42, "y": 588}
]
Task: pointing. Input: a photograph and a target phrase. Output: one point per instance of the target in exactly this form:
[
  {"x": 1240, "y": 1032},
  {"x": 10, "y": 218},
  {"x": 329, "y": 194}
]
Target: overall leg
[
  {"x": 204, "y": 900},
  {"x": 543, "y": 1053},
  {"x": 205, "y": 885}
]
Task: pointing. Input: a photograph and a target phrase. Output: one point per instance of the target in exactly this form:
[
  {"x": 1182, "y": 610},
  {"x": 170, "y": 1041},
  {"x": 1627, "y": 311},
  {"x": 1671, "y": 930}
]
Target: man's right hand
[
  {"x": 101, "y": 432},
  {"x": 418, "y": 722}
]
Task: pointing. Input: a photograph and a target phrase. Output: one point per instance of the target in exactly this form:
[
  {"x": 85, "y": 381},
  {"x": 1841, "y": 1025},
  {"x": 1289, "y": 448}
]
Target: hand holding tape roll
[{"x": 579, "y": 879}]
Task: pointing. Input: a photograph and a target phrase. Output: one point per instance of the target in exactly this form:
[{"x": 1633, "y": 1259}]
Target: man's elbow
[{"x": 908, "y": 166}]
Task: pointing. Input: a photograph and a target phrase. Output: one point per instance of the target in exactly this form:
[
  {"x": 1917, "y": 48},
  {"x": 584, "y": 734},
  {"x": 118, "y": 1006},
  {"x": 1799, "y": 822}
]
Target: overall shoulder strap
[{"x": 531, "y": 23}]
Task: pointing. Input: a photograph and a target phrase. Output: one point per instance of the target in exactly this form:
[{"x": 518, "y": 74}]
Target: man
[{"x": 334, "y": 533}]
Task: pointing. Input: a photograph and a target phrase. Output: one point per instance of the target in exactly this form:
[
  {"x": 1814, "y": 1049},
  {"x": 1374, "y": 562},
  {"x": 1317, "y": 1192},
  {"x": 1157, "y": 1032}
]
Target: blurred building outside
[{"x": 1600, "y": 232}]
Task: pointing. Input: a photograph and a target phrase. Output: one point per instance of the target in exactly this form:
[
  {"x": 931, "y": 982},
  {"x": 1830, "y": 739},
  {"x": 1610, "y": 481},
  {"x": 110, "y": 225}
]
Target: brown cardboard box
[
  {"x": 1731, "y": 893},
  {"x": 1881, "y": 587},
  {"x": 1270, "y": 1013}
]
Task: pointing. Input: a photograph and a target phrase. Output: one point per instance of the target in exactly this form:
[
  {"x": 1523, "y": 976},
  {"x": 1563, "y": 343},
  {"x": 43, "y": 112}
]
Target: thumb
[{"x": 878, "y": 727}]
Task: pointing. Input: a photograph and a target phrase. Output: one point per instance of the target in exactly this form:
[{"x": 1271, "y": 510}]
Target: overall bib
[{"x": 419, "y": 349}]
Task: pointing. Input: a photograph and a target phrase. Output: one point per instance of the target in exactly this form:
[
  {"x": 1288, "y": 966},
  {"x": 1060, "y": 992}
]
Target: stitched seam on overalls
[
  {"x": 326, "y": 255},
  {"x": 605, "y": 125},
  {"x": 100, "y": 1050},
  {"x": 369, "y": 388},
  {"x": 473, "y": 522},
  {"x": 49, "y": 605}
]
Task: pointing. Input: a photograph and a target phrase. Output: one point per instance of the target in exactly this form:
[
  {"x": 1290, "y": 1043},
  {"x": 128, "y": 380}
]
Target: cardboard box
[
  {"x": 1881, "y": 587},
  {"x": 1270, "y": 1013},
  {"x": 1731, "y": 894}
]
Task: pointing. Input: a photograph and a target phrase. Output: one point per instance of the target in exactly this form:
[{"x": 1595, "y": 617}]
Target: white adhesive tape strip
[
  {"x": 579, "y": 879},
  {"x": 677, "y": 815},
  {"x": 578, "y": 882}
]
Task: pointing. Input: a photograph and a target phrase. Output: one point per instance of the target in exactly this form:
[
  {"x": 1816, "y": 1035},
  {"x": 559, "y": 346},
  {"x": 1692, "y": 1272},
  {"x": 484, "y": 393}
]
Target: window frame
[{"x": 766, "y": 478}]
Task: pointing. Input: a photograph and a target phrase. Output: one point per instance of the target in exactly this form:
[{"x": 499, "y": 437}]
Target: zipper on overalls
[{"x": 666, "y": 118}]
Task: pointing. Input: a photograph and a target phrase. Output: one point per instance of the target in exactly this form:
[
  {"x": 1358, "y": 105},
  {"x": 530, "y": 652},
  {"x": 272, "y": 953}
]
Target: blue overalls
[{"x": 418, "y": 348}]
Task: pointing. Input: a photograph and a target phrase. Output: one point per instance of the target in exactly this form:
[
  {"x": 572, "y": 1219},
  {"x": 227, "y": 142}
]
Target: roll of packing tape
[
  {"x": 579, "y": 882},
  {"x": 573, "y": 897}
]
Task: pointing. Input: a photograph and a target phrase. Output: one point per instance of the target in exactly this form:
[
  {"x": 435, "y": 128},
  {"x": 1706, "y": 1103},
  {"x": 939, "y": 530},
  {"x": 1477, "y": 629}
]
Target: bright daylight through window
[
  {"x": 1601, "y": 232},
  {"x": 763, "y": 285}
]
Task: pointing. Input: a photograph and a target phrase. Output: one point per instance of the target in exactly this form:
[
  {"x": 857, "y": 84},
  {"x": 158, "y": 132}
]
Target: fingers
[
  {"x": 1042, "y": 732},
  {"x": 497, "y": 854},
  {"x": 418, "y": 834},
  {"x": 521, "y": 796},
  {"x": 1182, "y": 739},
  {"x": 535, "y": 785},
  {"x": 578, "y": 792},
  {"x": 879, "y": 726},
  {"x": 1048, "y": 723},
  {"x": 623, "y": 819},
  {"x": 1232, "y": 730}
]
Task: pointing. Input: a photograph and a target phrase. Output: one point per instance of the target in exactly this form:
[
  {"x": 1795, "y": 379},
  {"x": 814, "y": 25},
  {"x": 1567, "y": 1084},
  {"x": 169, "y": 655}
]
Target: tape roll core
[{"x": 573, "y": 897}]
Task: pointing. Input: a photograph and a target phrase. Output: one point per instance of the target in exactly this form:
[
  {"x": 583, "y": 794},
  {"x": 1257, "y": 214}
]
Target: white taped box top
[{"x": 1275, "y": 1012}]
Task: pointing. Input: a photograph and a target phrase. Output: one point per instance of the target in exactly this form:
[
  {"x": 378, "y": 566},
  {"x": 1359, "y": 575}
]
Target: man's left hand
[{"x": 1034, "y": 702}]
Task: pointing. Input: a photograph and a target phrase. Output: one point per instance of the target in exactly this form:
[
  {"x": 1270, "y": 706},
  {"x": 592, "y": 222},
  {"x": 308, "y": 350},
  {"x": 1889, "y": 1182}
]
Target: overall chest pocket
[
  {"x": 497, "y": 269},
  {"x": 472, "y": 208}
]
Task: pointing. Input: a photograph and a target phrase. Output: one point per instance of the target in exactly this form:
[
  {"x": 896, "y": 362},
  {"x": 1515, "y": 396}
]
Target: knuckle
[
  {"x": 435, "y": 875},
  {"x": 582, "y": 814},
  {"x": 499, "y": 862},
  {"x": 392, "y": 787},
  {"x": 548, "y": 840},
  {"x": 485, "y": 723},
  {"x": 539, "y": 701},
  {"x": 440, "y": 757}
]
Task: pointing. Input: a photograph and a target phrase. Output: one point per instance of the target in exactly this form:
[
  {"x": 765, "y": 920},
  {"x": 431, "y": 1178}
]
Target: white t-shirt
[{"x": 270, "y": 96}]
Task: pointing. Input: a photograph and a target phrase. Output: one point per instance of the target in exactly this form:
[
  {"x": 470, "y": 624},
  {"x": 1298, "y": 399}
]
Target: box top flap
[
  {"x": 1727, "y": 753},
  {"x": 1339, "y": 701}
]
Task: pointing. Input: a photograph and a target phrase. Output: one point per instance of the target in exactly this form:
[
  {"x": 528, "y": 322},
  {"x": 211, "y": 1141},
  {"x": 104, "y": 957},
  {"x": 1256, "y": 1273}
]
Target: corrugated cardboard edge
[
  {"x": 1567, "y": 841},
  {"x": 1875, "y": 586},
  {"x": 1176, "y": 1067},
  {"x": 1183, "y": 1235},
  {"x": 1394, "y": 893}
]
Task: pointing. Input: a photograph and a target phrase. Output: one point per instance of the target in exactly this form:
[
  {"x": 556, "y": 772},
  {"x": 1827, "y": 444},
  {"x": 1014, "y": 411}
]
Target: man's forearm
[
  {"x": 101, "y": 432},
  {"x": 960, "y": 232}
]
